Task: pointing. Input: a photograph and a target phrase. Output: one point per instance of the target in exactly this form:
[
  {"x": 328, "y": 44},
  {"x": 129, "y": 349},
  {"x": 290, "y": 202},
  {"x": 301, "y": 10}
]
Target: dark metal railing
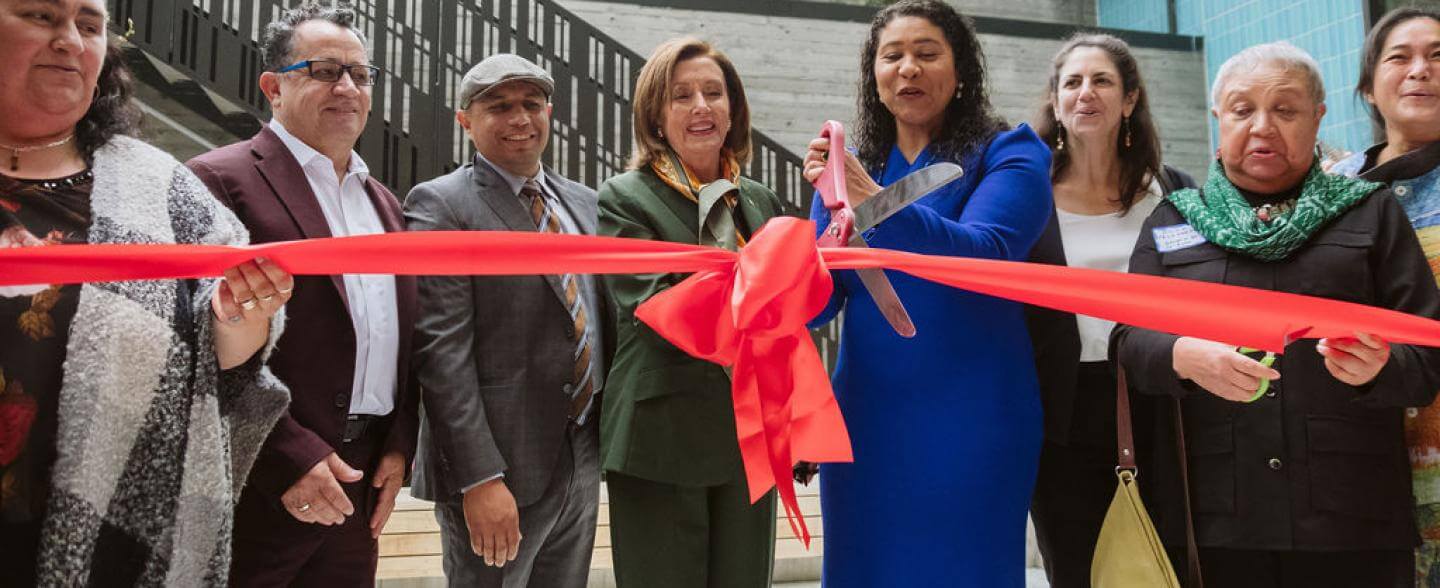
[{"x": 425, "y": 48}]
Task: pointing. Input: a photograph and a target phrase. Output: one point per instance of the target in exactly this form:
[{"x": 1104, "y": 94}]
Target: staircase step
[{"x": 410, "y": 547}]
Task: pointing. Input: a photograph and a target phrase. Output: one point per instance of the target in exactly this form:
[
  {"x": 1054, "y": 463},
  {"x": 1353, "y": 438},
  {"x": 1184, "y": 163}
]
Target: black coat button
[
  {"x": 1276, "y": 464},
  {"x": 342, "y": 400}
]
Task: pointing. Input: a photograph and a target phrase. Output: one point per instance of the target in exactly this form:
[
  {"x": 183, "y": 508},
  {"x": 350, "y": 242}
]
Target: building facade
[{"x": 1333, "y": 31}]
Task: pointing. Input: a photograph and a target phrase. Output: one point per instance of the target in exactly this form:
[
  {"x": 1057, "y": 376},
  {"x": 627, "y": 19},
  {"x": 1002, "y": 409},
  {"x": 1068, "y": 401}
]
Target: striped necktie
[{"x": 583, "y": 384}]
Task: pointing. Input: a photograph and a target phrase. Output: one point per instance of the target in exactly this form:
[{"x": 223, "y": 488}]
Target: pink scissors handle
[{"x": 831, "y": 186}]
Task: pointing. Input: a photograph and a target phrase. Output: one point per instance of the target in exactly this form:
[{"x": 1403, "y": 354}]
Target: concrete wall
[
  {"x": 799, "y": 72},
  {"x": 1081, "y": 12}
]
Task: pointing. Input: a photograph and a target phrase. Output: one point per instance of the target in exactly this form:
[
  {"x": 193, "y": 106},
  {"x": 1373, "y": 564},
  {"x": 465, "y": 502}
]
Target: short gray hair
[
  {"x": 1288, "y": 58},
  {"x": 279, "y": 38}
]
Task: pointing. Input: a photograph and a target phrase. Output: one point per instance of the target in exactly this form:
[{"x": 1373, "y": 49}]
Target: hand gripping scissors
[{"x": 847, "y": 223}]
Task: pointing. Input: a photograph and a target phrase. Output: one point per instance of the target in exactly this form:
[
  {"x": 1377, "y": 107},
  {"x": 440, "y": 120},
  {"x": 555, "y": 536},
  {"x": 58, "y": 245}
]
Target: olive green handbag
[{"x": 1128, "y": 553}]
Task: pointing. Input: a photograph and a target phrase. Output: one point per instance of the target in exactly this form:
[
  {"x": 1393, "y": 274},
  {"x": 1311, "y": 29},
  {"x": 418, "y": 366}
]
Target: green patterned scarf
[{"x": 1221, "y": 214}]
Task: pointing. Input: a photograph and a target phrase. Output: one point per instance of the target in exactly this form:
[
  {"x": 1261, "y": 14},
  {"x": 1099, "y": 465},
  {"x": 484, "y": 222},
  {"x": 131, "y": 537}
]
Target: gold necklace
[{"x": 16, "y": 151}]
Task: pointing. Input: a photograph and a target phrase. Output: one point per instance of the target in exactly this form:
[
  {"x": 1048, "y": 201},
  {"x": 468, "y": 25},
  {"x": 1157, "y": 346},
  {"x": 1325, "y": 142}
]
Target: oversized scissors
[{"x": 847, "y": 223}]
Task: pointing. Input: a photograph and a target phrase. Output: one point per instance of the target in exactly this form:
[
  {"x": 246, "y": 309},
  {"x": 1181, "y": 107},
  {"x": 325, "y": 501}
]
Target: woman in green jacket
[{"x": 680, "y": 513}]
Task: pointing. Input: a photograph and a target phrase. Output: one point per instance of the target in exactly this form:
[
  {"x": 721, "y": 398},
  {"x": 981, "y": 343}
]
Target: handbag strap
[
  {"x": 1125, "y": 460},
  {"x": 1192, "y": 550},
  {"x": 1124, "y": 435}
]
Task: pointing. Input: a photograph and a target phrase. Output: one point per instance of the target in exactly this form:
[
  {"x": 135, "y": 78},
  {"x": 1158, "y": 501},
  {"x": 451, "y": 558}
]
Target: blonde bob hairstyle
[{"x": 653, "y": 95}]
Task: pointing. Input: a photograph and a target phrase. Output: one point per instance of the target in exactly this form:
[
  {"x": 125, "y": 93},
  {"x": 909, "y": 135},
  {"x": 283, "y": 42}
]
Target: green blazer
[{"x": 666, "y": 416}]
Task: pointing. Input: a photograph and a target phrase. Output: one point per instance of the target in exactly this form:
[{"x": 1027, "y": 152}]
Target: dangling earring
[
  {"x": 1059, "y": 136},
  {"x": 1127, "y": 130},
  {"x": 660, "y": 133},
  {"x": 958, "y": 88}
]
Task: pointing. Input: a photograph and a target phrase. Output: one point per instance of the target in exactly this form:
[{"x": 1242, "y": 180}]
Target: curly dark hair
[
  {"x": 1140, "y": 160},
  {"x": 970, "y": 120},
  {"x": 1375, "y": 45},
  {"x": 112, "y": 112},
  {"x": 279, "y": 37}
]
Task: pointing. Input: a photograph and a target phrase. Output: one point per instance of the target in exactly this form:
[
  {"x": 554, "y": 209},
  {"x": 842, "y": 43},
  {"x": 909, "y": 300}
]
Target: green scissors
[{"x": 1267, "y": 361}]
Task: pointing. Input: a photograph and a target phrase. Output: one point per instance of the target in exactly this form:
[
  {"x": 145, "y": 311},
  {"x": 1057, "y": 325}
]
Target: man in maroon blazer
[{"x": 325, "y": 481}]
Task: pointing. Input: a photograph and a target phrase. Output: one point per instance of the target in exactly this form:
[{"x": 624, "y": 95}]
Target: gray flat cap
[{"x": 498, "y": 69}]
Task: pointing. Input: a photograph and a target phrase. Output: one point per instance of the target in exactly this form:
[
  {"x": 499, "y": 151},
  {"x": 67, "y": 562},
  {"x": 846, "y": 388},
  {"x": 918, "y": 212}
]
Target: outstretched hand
[{"x": 317, "y": 496}]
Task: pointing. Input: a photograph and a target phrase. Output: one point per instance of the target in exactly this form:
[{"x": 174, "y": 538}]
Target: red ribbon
[
  {"x": 748, "y": 310},
  {"x": 752, "y": 317}
]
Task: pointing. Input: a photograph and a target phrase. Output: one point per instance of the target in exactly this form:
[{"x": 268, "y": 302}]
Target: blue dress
[{"x": 945, "y": 427}]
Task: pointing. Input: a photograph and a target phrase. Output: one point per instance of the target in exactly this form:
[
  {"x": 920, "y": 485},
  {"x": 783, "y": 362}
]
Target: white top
[
  {"x": 1103, "y": 242},
  {"x": 371, "y": 298}
]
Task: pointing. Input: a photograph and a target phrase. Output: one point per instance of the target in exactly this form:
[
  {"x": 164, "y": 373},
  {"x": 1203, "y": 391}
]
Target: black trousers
[
  {"x": 1076, "y": 481},
  {"x": 1240, "y": 568}
]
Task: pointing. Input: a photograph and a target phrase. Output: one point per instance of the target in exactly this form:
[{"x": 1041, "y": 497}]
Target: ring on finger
[
  {"x": 303, "y": 508},
  {"x": 267, "y": 298},
  {"x": 248, "y": 304},
  {"x": 286, "y": 290}
]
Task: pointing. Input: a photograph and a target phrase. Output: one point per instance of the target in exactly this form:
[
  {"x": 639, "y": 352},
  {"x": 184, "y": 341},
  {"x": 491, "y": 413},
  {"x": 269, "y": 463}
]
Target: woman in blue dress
[{"x": 945, "y": 426}]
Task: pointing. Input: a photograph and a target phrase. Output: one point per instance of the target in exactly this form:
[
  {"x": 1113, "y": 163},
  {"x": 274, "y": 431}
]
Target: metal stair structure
[{"x": 424, "y": 47}]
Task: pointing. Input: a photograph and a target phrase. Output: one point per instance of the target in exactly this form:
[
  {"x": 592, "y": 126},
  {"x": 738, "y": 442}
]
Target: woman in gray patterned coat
[{"x": 129, "y": 411}]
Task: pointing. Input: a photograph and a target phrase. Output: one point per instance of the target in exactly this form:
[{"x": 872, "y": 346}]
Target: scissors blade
[
  {"x": 884, "y": 295},
  {"x": 900, "y": 194}
]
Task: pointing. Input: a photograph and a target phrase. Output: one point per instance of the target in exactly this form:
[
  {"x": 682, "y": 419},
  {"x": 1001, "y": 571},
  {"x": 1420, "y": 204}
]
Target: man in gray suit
[{"x": 510, "y": 366}]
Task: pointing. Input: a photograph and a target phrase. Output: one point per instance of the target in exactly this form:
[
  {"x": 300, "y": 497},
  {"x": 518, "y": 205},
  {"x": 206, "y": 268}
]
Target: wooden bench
[{"x": 410, "y": 547}]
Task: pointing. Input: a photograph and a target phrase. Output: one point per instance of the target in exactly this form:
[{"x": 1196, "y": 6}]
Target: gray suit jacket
[{"x": 495, "y": 353}]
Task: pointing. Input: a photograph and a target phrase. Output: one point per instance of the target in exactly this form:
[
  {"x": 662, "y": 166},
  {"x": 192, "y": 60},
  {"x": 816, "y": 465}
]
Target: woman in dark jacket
[
  {"x": 1305, "y": 482},
  {"x": 1107, "y": 179},
  {"x": 680, "y": 509}
]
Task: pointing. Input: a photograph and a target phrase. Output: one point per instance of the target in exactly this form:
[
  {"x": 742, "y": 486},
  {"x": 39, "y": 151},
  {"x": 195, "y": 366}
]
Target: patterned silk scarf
[
  {"x": 716, "y": 201},
  {"x": 1221, "y": 214}
]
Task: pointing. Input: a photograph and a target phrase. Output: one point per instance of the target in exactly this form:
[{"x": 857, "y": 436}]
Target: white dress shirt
[
  {"x": 371, "y": 298},
  {"x": 1104, "y": 242}
]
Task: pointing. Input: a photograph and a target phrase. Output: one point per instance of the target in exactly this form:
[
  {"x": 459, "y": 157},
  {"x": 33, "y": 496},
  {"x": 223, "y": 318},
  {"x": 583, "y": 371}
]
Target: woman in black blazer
[
  {"x": 1298, "y": 468},
  {"x": 1107, "y": 178}
]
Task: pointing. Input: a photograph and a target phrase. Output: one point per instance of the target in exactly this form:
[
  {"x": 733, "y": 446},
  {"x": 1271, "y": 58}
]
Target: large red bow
[{"x": 752, "y": 318}]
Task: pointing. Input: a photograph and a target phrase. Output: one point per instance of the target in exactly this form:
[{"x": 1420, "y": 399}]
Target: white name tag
[{"x": 1176, "y": 237}]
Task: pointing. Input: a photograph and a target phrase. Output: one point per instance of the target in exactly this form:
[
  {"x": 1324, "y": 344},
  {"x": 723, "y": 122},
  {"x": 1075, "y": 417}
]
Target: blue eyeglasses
[{"x": 324, "y": 70}]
